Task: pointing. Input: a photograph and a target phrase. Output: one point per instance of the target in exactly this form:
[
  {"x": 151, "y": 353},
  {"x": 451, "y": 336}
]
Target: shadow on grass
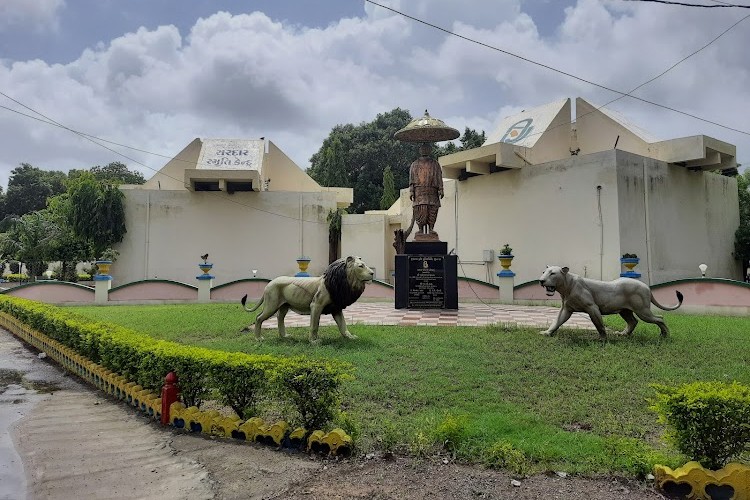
[
  {"x": 587, "y": 338},
  {"x": 300, "y": 337}
]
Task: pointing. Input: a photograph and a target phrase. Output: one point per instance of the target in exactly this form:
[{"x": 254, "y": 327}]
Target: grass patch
[{"x": 498, "y": 395}]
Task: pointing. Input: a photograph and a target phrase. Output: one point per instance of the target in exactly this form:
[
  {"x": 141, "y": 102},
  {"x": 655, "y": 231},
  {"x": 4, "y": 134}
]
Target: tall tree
[
  {"x": 469, "y": 140},
  {"x": 29, "y": 188},
  {"x": 334, "y": 233},
  {"x": 333, "y": 167},
  {"x": 64, "y": 246},
  {"x": 97, "y": 215},
  {"x": 117, "y": 173},
  {"x": 390, "y": 195},
  {"x": 365, "y": 150},
  {"x": 742, "y": 235},
  {"x": 28, "y": 240}
]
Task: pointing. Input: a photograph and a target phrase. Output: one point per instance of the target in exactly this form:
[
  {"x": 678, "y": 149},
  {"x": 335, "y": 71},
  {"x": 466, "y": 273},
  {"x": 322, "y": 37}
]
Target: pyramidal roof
[{"x": 525, "y": 128}]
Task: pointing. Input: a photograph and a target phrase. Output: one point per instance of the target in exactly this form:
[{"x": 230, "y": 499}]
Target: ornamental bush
[
  {"x": 16, "y": 277},
  {"x": 709, "y": 421},
  {"x": 313, "y": 387},
  {"x": 240, "y": 380},
  {"x": 241, "y": 383}
]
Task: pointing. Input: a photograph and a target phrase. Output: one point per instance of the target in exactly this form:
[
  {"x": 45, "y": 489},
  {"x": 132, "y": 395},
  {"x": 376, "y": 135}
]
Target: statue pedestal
[{"x": 426, "y": 277}]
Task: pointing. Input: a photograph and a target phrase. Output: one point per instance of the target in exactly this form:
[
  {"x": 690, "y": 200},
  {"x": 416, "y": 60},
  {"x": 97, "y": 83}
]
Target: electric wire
[
  {"x": 684, "y": 4},
  {"x": 557, "y": 70},
  {"x": 94, "y": 140}
]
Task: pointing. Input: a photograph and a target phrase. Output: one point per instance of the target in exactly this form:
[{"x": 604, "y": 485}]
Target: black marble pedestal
[{"x": 426, "y": 277}]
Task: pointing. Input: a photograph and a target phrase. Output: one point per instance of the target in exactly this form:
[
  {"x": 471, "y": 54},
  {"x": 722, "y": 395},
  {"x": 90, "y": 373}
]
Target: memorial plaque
[{"x": 426, "y": 282}]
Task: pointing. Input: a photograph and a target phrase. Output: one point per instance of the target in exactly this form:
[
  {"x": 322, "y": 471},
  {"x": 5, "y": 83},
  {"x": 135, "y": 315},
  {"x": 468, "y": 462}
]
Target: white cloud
[
  {"x": 37, "y": 15},
  {"x": 249, "y": 76}
]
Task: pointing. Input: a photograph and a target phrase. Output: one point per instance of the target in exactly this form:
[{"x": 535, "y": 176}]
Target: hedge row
[
  {"x": 240, "y": 380},
  {"x": 709, "y": 421}
]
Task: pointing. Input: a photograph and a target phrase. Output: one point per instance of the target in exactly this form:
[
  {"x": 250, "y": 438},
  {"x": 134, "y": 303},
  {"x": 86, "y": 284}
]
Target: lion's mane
[{"x": 343, "y": 286}]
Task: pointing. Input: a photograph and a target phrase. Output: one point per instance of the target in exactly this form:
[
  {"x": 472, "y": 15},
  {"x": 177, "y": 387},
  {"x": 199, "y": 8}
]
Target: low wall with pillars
[{"x": 702, "y": 295}]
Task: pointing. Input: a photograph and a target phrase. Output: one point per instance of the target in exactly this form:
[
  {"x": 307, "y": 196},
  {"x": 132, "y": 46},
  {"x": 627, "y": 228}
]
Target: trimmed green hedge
[
  {"x": 709, "y": 421},
  {"x": 241, "y": 380},
  {"x": 16, "y": 277}
]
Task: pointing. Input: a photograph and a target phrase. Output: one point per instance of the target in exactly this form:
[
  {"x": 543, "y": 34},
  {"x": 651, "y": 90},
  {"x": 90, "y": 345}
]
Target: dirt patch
[{"x": 251, "y": 471}]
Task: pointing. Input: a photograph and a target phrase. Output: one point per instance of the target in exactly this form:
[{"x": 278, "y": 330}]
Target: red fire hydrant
[{"x": 170, "y": 393}]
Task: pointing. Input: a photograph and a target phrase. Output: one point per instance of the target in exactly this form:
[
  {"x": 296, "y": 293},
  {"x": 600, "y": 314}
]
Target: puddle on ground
[
  {"x": 40, "y": 386},
  {"x": 8, "y": 377},
  {"x": 15, "y": 378}
]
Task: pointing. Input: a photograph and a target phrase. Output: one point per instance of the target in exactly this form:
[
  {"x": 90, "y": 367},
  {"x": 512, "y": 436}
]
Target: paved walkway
[
  {"x": 62, "y": 440},
  {"x": 468, "y": 314}
]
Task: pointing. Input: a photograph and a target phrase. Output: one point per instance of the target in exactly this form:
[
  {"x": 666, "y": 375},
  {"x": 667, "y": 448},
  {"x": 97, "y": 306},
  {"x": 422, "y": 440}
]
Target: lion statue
[
  {"x": 340, "y": 286},
  {"x": 627, "y": 297}
]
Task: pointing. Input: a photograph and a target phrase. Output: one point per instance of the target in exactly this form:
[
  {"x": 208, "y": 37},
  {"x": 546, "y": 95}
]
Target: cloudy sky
[{"x": 154, "y": 75}]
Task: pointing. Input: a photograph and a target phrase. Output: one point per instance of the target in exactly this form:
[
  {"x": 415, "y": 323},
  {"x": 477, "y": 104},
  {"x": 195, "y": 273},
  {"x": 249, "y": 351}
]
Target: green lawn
[{"x": 569, "y": 402}]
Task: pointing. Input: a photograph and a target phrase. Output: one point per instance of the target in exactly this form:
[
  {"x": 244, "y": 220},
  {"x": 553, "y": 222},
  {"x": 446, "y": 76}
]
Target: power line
[
  {"x": 537, "y": 133},
  {"x": 94, "y": 140},
  {"x": 655, "y": 77},
  {"x": 683, "y": 4},
  {"x": 551, "y": 68}
]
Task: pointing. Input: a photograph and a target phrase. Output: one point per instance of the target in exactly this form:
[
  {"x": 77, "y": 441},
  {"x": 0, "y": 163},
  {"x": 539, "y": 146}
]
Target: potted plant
[
  {"x": 105, "y": 260},
  {"x": 708, "y": 422},
  {"x": 505, "y": 256},
  {"x": 205, "y": 266},
  {"x": 630, "y": 260}
]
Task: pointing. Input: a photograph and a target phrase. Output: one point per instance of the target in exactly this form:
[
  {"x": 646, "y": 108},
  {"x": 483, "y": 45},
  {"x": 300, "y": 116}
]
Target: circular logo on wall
[{"x": 518, "y": 131}]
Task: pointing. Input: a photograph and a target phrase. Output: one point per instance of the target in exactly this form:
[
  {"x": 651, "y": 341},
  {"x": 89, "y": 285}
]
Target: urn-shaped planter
[
  {"x": 630, "y": 263},
  {"x": 205, "y": 267},
  {"x": 103, "y": 266},
  {"x": 303, "y": 262},
  {"x": 505, "y": 261}
]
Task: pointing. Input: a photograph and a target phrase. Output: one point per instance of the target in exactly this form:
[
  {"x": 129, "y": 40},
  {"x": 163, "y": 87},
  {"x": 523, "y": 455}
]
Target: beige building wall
[
  {"x": 676, "y": 219},
  {"x": 284, "y": 174},
  {"x": 598, "y": 131},
  {"x": 366, "y": 235},
  {"x": 547, "y": 213},
  {"x": 172, "y": 175},
  {"x": 585, "y": 211},
  {"x": 168, "y": 231}
]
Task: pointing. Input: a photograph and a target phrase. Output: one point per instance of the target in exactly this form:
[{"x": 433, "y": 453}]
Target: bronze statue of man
[{"x": 425, "y": 191}]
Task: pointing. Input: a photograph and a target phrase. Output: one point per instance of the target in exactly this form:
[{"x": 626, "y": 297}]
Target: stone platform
[{"x": 384, "y": 313}]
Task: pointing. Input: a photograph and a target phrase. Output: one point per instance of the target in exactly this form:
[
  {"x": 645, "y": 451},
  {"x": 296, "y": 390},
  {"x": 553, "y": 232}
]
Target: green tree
[
  {"x": 334, "y": 233},
  {"x": 469, "y": 140},
  {"x": 97, "y": 213},
  {"x": 29, "y": 188},
  {"x": 364, "y": 151},
  {"x": 390, "y": 195},
  {"x": 28, "y": 240},
  {"x": 117, "y": 173},
  {"x": 333, "y": 168},
  {"x": 64, "y": 246},
  {"x": 742, "y": 235}
]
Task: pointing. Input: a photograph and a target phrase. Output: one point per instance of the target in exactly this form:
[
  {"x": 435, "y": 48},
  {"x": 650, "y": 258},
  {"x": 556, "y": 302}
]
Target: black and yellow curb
[
  {"x": 695, "y": 482},
  {"x": 192, "y": 419}
]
